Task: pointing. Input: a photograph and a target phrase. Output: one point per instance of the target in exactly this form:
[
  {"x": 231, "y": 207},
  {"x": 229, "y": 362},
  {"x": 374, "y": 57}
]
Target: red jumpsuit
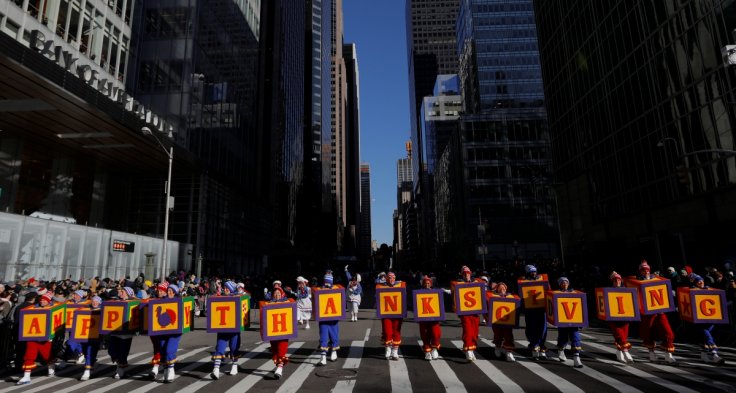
[
  {"x": 391, "y": 331},
  {"x": 279, "y": 349},
  {"x": 620, "y": 332},
  {"x": 470, "y": 323},
  {"x": 33, "y": 350},
  {"x": 430, "y": 333},
  {"x": 657, "y": 327}
]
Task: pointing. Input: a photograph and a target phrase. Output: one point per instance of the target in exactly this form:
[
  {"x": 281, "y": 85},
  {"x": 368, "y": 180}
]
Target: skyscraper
[
  {"x": 352, "y": 149},
  {"x": 364, "y": 238},
  {"x": 339, "y": 108},
  {"x": 641, "y": 114},
  {"x": 405, "y": 231},
  {"x": 505, "y": 141}
]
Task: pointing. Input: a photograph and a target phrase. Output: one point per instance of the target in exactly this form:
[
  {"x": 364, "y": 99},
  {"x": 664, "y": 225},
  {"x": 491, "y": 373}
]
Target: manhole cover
[{"x": 338, "y": 373}]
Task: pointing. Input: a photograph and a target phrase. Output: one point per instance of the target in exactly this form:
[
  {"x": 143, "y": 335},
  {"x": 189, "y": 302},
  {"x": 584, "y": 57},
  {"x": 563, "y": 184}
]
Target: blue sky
[{"x": 377, "y": 27}]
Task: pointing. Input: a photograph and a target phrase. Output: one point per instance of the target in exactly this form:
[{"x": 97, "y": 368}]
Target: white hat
[
  {"x": 357, "y": 277},
  {"x": 277, "y": 282},
  {"x": 301, "y": 279}
]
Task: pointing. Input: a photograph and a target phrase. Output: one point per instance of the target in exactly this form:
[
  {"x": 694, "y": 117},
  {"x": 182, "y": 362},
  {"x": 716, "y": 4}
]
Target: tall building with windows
[
  {"x": 352, "y": 150},
  {"x": 504, "y": 136},
  {"x": 640, "y": 99},
  {"x": 197, "y": 64},
  {"x": 364, "y": 238},
  {"x": 75, "y": 171},
  {"x": 405, "y": 217}
]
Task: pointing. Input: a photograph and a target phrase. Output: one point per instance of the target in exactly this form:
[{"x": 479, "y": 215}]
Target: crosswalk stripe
[
  {"x": 295, "y": 381},
  {"x": 352, "y": 362},
  {"x": 153, "y": 384},
  {"x": 637, "y": 372},
  {"x": 195, "y": 386},
  {"x": 599, "y": 376},
  {"x": 680, "y": 372},
  {"x": 494, "y": 374},
  {"x": 560, "y": 383},
  {"x": 130, "y": 378},
  {"x": 448, "y": 377},
  {"x": 250, "y": 380},
  {"x": 76, "y": 386},
  {"x": 39, "y": 383},
  {"x": 399, "y": 375}
]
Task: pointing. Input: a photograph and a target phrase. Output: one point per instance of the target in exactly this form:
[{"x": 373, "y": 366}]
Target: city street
[{"x": 362, "y": 368}]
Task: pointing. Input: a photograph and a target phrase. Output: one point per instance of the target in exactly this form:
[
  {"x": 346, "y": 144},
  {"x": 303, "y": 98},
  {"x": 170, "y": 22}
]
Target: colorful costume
[
  {"x": 303, "y": 301},
  {"x": 470, "y": 324},
  {"x": 91, "y": 347},
  {"x": 355, "y": 291},
  {"x": 227, "y": 340},
  {"x": 620, "y": 330},
  {"x": 536, "y": 321},
  {"x": 279, "y": 348},
  {"x": 34, "y": 349},
  {"x": 119, "y": 343},
  {"x": 710, "y": 349},
  {"x": 391, "y": 327},
  {"x": 430, "y": 331},
  {"x": 655, "y": 326},
  {"x": 503, "y": 336},
  {"x": 569, "y": 335},
  {"x": 329, "y": 331},
  {"x": 169, "y": 343}
]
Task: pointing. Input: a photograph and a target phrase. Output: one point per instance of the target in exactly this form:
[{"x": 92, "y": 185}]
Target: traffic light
[{"x": 683, "y": 175}]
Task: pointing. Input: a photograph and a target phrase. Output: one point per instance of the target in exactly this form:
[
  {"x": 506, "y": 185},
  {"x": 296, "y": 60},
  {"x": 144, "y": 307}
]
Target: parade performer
[
  {"x": 74, "y": 348},
  {"x": 536, "y": 321},
  {"x": 620, "y": 330},
  {"x": 225, "y": 340},
  {"x": 355, "y": 291},
  {"x": 655, "y": 326},
  {"x": 329, "y": 331},
  {"x": 169, "y": 343},
  {"x": 430, "y": 331},
  {"x": 155, "y": 340},
  {"x": 303, "y": 301},
  {"x": 34, "y": 349},
  {"x": 391, "y": 327},
  {"x": 119, "y": 343},
  {"x": 279, "y": 348},
  {"x": 568, "y": 334},
  {"x": 710, "y": 349},
  {"x": 470, "y": 323},
  {"x": 91, "y": 347},
  {"x": 503, "y": 336}
]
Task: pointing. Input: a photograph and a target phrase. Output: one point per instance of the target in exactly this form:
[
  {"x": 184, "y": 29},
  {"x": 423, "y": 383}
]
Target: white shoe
[
  {"x": 305, "y": 327},
  {"x": 628, "y": 357},
  {"x": 576, "y": 362},
  {"x": 510, "y": 357},
  {"x": 428, "y": 356},
  {"x": 215, "y": 373},
  {"x": 234, "y": 369},
  {"x": 333, "y": 356},
  {"x": 80, "y": 359},
  {"x": 669, "y": 358},
  {"x": 154, "y": 371},
  {"x": 323, "y": 360},
  {"x": 388, "y": 353},
  {"x": 561, "y": 355},
  {"x": 715, "y": 359},
  {"x": 620, "y": 356},
  {"x": 119, "y": 373},
  {"x": 435, "y": 354},
  {"x": 470, "y": 356},
  {"x": 52, "y": 370},
  {"x": 535, "y": 355},
  {"x": 652, "y": 356},
  {"x": 278, "y": 372},
  {"x": 497, "y": 352},
  {"x": 85, "y": 375},
  {"x": 26, "y": 379},
  {"x": 394, "y": 353},
  {"x": 169, "y": 375},
  {"x": 542, "y": 355}
]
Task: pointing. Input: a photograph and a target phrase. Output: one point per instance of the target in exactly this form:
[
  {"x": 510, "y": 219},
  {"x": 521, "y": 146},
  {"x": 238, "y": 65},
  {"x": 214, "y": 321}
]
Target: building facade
[
  {"x": 351, "y": 239},
  {"x": 640, "y": 100},
  {"x": 504, "y": 136},
  {"x": 365, "y": 240}
]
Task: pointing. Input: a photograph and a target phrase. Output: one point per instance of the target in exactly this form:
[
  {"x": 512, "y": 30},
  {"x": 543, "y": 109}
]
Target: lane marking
[
  {"x": 264, "y": 369},
  {"x": 492, "y": 372}
]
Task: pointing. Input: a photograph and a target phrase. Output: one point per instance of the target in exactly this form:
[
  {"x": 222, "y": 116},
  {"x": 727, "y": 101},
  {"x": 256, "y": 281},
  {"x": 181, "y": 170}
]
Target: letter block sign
[
  {"x": 70, "y": 308},
  {"x": 503, "y": 310},
  {"x": 86, "y": 326},
  {"x": 470, "y": 298},
  {"x": 329, "y": 304},
  {"x": 188, "y": 309},
  {"x": 391, "y": 302},
  {"x": 532, "y": 292},
  {"x": 567, "y": 309},
  {"x": 278, "y": 321},
  {"x": 120, "y": 316},
  {"x": 428, "y": 305},
  {"x": 702, "y": 305},
  {"x": 655, "y": 295},
  {"x": 41, "y": 323},
  {"x": 165, "y": 316},
  {"x": 226, "y": 314},
  {"x": 617, "y": 304}
]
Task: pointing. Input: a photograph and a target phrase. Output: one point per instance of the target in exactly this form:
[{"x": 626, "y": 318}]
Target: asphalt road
[{"x": 361, "y": 366}]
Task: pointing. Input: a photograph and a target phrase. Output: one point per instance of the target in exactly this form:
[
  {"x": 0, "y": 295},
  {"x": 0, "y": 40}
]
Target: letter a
[
  {"x": 34, "y": 328},
  {"x": 330, "y": 308}
]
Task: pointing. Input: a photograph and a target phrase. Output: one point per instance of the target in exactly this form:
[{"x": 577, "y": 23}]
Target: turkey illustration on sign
[{"x": 166, "y": 318}]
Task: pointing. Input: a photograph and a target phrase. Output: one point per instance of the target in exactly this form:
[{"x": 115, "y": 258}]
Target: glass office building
[{"x": 640, "y": 97}]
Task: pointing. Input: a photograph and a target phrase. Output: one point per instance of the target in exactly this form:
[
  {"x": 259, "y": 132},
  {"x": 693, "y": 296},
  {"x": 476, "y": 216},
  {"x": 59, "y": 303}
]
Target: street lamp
[{"x": 167, "y": 190}]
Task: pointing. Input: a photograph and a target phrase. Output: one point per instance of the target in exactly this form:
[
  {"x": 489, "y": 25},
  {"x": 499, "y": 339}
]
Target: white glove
[
  {"x": 346, "y": 267},
  {"x": 447, "y": 291},
  {"x": 265, "y": 291}
]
